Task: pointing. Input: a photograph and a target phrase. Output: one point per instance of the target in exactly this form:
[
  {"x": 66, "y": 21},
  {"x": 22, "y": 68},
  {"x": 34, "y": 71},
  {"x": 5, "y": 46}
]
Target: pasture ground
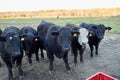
[{"x": 108, "y": 60}]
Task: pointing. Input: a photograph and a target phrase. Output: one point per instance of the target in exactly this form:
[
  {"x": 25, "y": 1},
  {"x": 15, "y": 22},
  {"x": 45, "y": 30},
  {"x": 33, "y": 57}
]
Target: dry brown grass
[{"x": 62, "y": 13}]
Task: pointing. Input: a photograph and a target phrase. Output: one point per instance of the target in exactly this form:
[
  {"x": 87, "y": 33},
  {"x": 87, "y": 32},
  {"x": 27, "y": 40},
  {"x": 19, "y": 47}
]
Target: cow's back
[{"x": 42, "y": 30}]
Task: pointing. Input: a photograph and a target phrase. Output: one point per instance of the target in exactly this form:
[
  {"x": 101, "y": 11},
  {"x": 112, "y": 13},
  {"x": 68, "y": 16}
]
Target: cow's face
[
  {"x": 83, "y": 37},
  {"x": 28, "y": 41},
  {"x": 12, "y": 44},
  {"x": 64, "y": 36},
  {"x": 100, "y": 31}
]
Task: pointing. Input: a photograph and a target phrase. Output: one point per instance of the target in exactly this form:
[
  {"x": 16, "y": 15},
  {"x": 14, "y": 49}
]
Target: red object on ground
[{"x": 101, "y": 76}]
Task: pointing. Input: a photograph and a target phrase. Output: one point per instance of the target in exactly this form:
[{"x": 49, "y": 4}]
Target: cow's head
[
  {"x": 28, "y": 41},
  {"x": 12, "y": 43},
  {"x": 64, "y": 36},
  {"x": 99, "y": 30},
  {"x": 83, "y": 37}
]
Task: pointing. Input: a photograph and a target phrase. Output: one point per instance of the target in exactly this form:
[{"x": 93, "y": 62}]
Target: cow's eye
[{"x": 10, "y": 38}]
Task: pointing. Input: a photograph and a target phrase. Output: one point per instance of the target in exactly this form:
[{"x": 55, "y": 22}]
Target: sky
[{"x": 34, "y": 5}]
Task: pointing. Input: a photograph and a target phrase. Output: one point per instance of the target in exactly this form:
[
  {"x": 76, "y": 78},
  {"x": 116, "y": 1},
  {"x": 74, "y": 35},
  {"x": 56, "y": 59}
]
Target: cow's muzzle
[
  {"x": 16, "y": 54},
  {"x": 66, "y": 50}
]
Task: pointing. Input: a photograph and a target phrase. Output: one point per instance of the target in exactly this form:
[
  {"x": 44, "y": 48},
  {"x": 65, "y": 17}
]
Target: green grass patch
[{"x": 113, "y": 22}]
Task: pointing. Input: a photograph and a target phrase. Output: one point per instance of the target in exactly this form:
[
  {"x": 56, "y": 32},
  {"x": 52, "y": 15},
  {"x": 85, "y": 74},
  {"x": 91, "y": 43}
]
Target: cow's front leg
[
  {"x": 81, "y": 55},
  {"x": 29, "y": 58},
  {"x": 20, "y": 71},
  {"x": 0, "y": 64},
  {"x": 10, "y": 74},
  {"x": 65, "y": 58},
  {"x": 42, "y": 54},
  {"x": 91, "y": 49},
  {"x": 96, "y": 47},
  {"x": 51, "y": 59},
  {"x": 37, "y": 56}
]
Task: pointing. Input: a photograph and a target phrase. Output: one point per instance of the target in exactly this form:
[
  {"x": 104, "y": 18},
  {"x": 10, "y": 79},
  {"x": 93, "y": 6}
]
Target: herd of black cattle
[{"x": 55, "y": 40}]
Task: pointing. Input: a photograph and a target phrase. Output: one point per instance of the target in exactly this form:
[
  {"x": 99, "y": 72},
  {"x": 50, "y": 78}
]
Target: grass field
[{"x": 113, "y": 22}]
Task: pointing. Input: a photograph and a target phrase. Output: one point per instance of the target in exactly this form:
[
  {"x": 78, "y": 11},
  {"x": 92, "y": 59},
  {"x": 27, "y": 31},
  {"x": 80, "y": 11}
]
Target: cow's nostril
[
  {"x": 17, "y": 54},
  {"x": 83, "y": 43},
  {"x": 66, "y": 49}
]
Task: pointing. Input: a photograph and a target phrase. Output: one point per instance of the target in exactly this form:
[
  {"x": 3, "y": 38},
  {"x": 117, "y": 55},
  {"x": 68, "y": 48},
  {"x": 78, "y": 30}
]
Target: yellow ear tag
[
  {"x": 36, "y": 39},
  {"x": 22, "y": 39},
  {"x": 90, "y": 34},
  {"x": 74, "y": 35}
]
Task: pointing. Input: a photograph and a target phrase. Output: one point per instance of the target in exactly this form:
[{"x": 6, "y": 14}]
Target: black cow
[
  {"x": 58, "y": 41},
  {"x": 0, "y": 34},
  {"x": 0, "y": 31},
  {"x": 11, "y": 50},
  {"x": 42, "y": 30},
  {"x": 98, "y": 35},
  {"x": 30, "y": 42},
  {"x": 78, "y": 42}
]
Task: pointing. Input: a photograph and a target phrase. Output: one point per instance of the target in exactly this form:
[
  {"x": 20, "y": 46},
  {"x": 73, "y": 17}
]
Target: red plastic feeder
[{"x": 101, "y": 76}]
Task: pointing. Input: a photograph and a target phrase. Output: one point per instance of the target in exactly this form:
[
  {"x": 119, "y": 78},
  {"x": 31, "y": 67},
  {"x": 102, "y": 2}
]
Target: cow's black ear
[
  {"x": 108, "y": 28},
  {"x": 2, "y": 38},
  {"x": 55, "y": 33},
  {"x": 94, "y": 27},
  {"x": 75, "y": 34}
]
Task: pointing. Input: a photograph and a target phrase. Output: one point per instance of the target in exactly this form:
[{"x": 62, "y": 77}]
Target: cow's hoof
[
  {"x": 51, "y": 72},
  {"x": 21, "y": 77},
  {"x": 81, "y": 61},
  {"x": 30, "y": 64},
  {"x": 42, "y": 58},
  {"x": 69, "y": 71},
  {"x": 96, "y": 54},
  {"x": 91, "y": 55},
  {"x": 76, "y": 64},
  {"x": 38, "y": 61}
]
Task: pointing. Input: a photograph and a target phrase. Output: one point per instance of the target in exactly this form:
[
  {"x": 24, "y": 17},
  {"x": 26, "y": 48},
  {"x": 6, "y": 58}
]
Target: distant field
[{"x": 113, "y": 22}]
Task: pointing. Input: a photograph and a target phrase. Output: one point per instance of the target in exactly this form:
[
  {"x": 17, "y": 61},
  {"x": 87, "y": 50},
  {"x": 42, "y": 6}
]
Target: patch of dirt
[{"x": 108, "y": 61}]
